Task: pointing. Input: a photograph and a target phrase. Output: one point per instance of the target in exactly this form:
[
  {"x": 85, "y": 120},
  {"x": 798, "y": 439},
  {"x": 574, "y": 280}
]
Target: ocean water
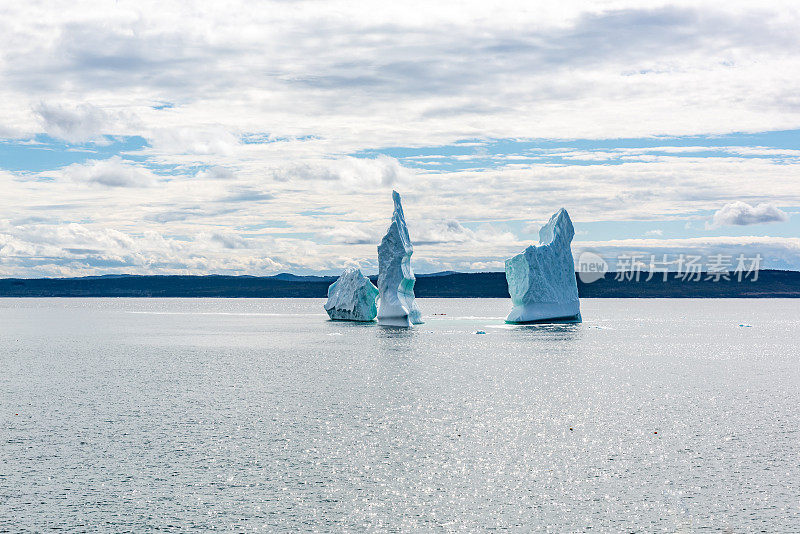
[{"x": 261, "y": 415}]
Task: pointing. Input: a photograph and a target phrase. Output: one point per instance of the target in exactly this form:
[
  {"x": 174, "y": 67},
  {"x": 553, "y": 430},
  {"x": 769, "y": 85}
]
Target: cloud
[
  {"x": 496, "y": 265},
  {"x": 305, "y": 171},
  {"x": 409, "y": 74},
  {"x": 112, "y": 172},
  {"x": 246, "y": 194},
  {"x": 300, "y": 114},
  {"x": 77, "y": 124},
  {"x": 187, "y": 213},
  {"x": 533, "y": 227},
  {"x": 352, "y": 234},
  {"x": 382, "y": 170},
  {"x": 452, "y": 232},
  {"x": 742, "y": 214},
  {"x": 74, "y": 250},
  {"x": 76, "y": 236},
  {"x": 438, "y": 232},
  {"x": 216, "y": 173},
  {"x": 183, "y": 140},
  {"x": 776, "y": 252},
  {"x": 229, "y": 240}
]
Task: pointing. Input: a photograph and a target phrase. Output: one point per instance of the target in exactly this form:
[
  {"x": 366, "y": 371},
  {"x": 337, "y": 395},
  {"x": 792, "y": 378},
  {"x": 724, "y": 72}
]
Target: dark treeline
[{"x": 454, "y": 285}]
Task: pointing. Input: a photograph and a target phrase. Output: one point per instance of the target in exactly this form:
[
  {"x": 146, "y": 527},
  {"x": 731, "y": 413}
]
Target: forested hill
[{"x": 448, "y": 284}]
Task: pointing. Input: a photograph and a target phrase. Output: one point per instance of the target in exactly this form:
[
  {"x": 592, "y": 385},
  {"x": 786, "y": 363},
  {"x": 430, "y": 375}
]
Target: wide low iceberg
[
  {"x": 352, "y": 297},
  {"x": 397, "y": 306},
  {"x": 541, "y": 280}
]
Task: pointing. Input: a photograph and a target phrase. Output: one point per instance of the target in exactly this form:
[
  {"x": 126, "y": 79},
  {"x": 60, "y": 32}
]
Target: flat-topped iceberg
[
  {"x": 352, "y": 297},
  {"x": 397, "y": 306},
  {"x": 541, "y": 280}
]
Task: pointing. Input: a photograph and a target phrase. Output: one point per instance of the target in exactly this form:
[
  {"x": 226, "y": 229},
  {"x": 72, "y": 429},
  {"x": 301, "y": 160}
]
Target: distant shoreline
[{"x": 770, "y": 284}]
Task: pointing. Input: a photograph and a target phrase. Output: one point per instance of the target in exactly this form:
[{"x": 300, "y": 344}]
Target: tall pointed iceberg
[
  {"x": 541, "y": 280},
  {"x": 352, "y": 297},
  {"x": 396, "y": 304}
]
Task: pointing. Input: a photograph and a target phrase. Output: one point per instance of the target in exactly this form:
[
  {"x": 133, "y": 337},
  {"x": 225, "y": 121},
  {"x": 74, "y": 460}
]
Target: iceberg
[
  {"x": 541, "y": 280},
  {"x": 397, "y": 306},
  {"x": 352, "y": 297}
]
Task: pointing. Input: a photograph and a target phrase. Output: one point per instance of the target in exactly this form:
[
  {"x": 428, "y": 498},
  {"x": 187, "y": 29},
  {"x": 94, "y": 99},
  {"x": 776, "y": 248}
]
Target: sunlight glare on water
[{"x": 260, "y": 414}]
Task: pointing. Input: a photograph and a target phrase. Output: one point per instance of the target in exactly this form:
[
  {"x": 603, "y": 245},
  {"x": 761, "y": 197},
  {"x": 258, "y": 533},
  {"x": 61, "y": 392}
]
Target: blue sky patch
[{"x": 45, "y": 153}]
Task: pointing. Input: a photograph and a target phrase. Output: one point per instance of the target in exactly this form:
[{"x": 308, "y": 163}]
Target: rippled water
[{"x": 128, "y": 414}]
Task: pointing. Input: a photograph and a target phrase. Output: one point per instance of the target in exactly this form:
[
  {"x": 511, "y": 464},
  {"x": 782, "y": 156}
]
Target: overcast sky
[{"x": 257, "y": 138}]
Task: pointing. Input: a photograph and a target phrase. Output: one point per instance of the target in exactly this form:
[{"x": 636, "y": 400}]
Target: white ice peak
[
  {"x": 541, "y": 280},
  {"x": 396, "y": 305},
  {"x": 352, "y": 297}
]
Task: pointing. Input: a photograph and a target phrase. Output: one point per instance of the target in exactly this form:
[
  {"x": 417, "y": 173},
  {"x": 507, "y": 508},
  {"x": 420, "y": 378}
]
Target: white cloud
[
  {"x": 280, "y": 122},
  {"x": 351, "y": 234},
  {"x": 441, "y": 232},
  {"x": 81, "y": 123},
  {"x": 452, "y": 232},
  {"x": 776, "y": 252},
  {"x": 381, "y": 171},
  {"x": 487, "y": 266},
  {"x": 185, "y": 140},
  {"x": 534, "y": 227},
  {"x": 216, "y": 173},
  {"x": 229, "y": 240},
  {"x": 742, "y": 214},
  {"x": 76, "y": 249},
  {"x": 305, "y": 171},
  {"x": 456, "y": 220},
  {"x": 395, "y": 76},
  {"x": 112, "y": 172},
  {"x": 76, "y": 125}
]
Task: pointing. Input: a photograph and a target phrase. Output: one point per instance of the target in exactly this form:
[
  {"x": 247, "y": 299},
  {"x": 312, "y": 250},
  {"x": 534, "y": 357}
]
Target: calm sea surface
[{"x": 260, "y": 415}]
